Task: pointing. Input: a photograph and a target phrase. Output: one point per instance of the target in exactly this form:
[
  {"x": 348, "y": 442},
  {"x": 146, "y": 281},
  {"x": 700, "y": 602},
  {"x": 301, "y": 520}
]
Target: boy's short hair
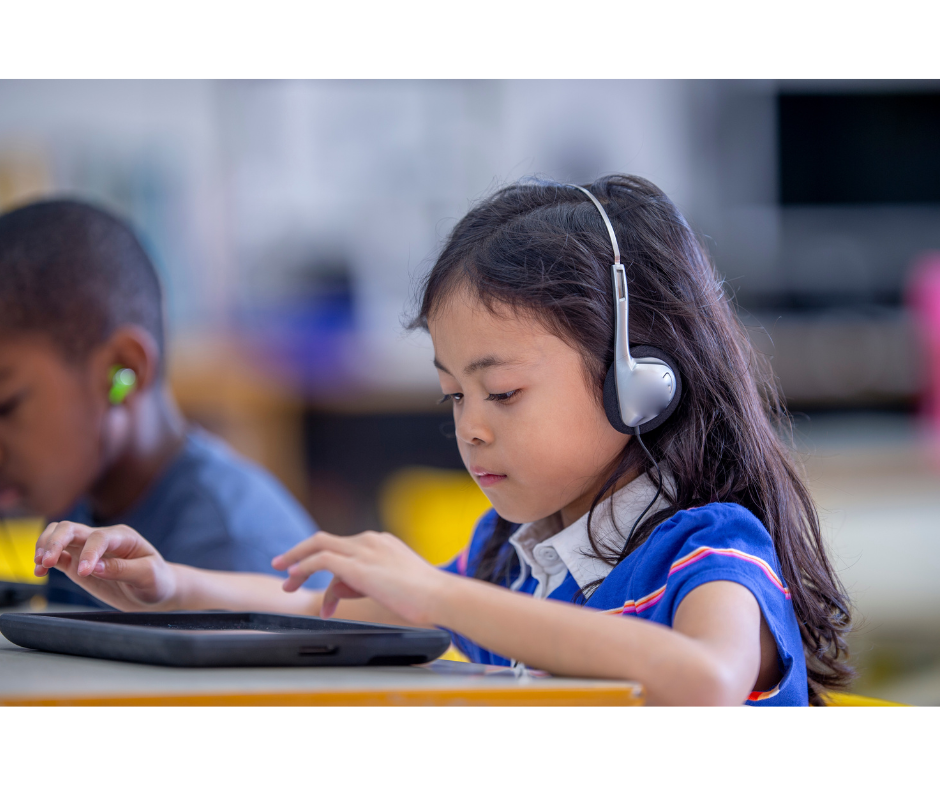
[{"x": 75, "y": 273}]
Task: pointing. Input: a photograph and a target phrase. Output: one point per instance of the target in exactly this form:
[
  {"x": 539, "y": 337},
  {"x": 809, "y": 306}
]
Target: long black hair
[{"x": 541, "y": 249}]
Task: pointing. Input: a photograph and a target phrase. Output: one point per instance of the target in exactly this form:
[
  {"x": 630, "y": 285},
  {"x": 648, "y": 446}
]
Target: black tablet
[{"x": 222, "y": 639}]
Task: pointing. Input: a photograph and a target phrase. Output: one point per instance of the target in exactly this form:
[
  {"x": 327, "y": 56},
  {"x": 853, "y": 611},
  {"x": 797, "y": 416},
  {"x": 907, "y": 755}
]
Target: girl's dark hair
[{"x": 541, "y": 248}]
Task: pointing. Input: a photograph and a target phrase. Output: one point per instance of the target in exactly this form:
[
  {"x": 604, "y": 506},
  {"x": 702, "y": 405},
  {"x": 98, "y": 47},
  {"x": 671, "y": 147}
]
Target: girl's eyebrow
[{"x": 474, "y": 366}]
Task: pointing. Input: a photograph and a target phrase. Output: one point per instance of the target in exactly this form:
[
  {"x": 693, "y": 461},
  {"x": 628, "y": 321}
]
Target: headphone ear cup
[
  {"x": 612, "y": 403},
  {"x": 646, "y": 351}
]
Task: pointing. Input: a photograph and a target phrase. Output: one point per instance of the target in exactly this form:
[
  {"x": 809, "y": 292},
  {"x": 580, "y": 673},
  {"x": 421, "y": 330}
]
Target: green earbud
[{"x": 123, "y": 381}]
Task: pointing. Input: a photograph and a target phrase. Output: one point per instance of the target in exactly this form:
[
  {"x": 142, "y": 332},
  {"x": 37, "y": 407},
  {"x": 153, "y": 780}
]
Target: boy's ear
[{"x": 133, "y": 348}]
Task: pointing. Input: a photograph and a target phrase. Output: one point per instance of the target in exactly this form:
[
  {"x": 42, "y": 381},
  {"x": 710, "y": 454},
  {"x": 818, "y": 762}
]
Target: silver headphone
[{"x": 641, "y": 389}]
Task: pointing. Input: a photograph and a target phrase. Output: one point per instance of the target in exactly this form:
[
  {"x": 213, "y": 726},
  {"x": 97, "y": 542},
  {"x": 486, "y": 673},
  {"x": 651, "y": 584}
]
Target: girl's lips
[{"x": 485, "y": 478}]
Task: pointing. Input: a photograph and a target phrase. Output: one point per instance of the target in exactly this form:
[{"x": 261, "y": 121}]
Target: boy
[{"x": 89, "y": 431}]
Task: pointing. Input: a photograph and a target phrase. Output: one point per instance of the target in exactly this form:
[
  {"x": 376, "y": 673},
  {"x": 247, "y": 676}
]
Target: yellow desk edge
[{"x": 619, "y": 694}]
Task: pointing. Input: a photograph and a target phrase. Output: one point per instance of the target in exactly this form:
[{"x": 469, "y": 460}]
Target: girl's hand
[
  {"x": 116, "y": 564},
  {"x": 376, "y": 565}
]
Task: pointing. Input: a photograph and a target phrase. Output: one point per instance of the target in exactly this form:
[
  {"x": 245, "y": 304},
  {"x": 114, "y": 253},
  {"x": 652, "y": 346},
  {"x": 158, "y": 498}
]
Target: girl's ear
[{"x": 612, "y": 402}]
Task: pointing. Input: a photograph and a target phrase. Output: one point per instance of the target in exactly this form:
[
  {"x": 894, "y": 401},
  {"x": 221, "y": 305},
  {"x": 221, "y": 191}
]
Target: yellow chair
[
  {"x": 17, "y": 546},
  {"x": 433, "y": 511},
  {"x": 847, "y": 699}
]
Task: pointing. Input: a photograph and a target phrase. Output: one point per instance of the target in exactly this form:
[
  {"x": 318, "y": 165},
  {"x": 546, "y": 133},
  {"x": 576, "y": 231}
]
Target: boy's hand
[
  {"x": 376, "y": 565},
  {"x": 116, "y": 564}
]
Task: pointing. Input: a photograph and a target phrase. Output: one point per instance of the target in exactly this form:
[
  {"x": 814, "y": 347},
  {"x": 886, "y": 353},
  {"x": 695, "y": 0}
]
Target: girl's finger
[
  {"x": 315, "y": 544},
  {"x": 64, "y": 534},
  {"x": 135, "y": 572},
  {"x": 118, "y": 540},
  {"x": 42, "y": 540},
  {"x": 340, "y": 565},
  {"x": 95, "y": 547},
  {"x": 284, "y": 560},
  {"x": 65, "y": 561},
  {"x": 298, "y": 573},
  {"x": 336, "y": 591}
]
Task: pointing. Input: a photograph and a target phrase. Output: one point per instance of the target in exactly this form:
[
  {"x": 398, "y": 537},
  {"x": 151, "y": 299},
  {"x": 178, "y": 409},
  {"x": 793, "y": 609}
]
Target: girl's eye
[
  {"x": 502, "y": 397},
  {"x": 450, "y": 398}
]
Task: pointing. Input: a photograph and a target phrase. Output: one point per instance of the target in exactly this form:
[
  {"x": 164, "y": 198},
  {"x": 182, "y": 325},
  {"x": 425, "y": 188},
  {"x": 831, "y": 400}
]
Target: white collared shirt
[{"x": 548, "y": 552}]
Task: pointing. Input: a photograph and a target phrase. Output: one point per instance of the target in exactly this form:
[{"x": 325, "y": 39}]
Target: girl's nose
[{"x": 471, "y": 427}]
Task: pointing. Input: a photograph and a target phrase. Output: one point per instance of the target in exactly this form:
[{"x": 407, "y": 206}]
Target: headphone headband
[
  {"x": 610, "y": 227},
  {"x": 639, "y": 393},
  {"x": 618, "y": 275}
]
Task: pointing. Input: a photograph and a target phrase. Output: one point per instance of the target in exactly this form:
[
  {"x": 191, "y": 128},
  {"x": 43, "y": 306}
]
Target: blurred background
[{"x": 290, "y": 222}]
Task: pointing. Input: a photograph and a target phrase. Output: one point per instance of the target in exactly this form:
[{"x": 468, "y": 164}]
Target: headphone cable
[{"x": 659, "y": 489}]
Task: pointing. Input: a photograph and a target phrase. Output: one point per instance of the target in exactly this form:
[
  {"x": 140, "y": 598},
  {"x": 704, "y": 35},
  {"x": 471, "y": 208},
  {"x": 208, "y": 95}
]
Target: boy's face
[{"x": 51, "y": 413}]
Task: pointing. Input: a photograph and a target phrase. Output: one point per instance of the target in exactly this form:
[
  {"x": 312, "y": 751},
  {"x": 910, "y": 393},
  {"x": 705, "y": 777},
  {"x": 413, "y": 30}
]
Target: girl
[{"x": 689, "y": 526}]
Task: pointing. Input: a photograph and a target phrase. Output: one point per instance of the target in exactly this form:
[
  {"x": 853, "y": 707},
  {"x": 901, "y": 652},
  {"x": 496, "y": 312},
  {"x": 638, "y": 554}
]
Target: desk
[{"x": 36, "y": 678}]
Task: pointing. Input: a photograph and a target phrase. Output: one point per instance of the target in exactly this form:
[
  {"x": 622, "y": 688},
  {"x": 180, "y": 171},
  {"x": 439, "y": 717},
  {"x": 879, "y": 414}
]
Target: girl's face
[{"x": 530, "y": 428}]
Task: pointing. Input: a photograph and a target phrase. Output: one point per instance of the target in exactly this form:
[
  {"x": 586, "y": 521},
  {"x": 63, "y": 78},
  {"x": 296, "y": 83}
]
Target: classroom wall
[{"x": 330, "y": 197}]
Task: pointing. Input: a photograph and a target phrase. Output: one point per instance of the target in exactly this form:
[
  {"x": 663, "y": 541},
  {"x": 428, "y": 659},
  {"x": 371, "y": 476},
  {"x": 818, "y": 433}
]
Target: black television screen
[{"x": 844, "y": 148}]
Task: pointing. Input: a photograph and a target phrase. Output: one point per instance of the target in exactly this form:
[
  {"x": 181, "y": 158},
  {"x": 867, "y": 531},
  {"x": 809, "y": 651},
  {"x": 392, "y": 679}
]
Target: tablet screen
[{"x": 199, "y": 639}]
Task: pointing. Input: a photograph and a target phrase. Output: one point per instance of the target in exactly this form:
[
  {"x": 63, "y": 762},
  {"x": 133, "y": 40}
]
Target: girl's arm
[
  {"x": 712, "y": 655},
  {"x": 205, "y": 589},
  {"x": 121, "y": 568}
]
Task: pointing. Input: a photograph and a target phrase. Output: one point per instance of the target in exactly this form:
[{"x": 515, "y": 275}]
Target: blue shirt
[
  {"x": 211, "y": 509},
  {"x": 719, "y": 541}
]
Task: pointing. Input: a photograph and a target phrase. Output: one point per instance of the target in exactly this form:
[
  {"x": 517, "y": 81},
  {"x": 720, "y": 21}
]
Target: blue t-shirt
[
  {"x": 719, "y": 541},
  {"x": 211, "y": 509}
]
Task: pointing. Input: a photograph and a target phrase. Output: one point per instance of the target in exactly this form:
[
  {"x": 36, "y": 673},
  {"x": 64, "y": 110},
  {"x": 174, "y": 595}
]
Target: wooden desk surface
[{"x": 37, "y": 678}]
